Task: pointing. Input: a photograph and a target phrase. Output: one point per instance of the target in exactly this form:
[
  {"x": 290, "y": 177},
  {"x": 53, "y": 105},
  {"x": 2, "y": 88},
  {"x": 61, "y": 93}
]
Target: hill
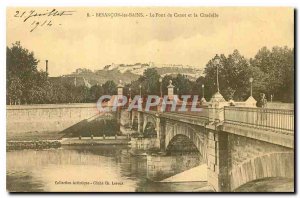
[{"x": 126, "y": 73}]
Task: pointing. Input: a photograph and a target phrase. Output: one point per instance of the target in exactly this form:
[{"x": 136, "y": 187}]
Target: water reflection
[{"x": 84, "y": 168}]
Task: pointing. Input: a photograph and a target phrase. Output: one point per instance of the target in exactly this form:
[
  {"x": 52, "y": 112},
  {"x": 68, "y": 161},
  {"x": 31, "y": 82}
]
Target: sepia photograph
[{"x": 150, "y": 99}]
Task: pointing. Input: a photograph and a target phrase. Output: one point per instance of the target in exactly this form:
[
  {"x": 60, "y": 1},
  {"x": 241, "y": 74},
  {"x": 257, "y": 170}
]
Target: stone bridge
[{"x": 238, "y": 144}]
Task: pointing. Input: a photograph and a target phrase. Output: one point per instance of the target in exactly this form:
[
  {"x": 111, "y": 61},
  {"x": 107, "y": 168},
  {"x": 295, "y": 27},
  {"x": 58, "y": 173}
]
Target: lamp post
[
  {"x": 203, "y": 98},
  {"x": 217, "y": 63},
  {"x": 251, "y": 80},
  {"x": 129, "y": 93},
  {"x": 250, "y": 102},
  {"x": 140, "y": 90},
  {"x": 217, "y": 98},
  {"x": 141, "y": 99},
  {"x": 272, "y": 97},
  {"x": 160, "y": 84}
]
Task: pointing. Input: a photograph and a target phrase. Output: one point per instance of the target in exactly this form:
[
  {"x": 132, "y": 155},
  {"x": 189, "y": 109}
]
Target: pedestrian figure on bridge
[
  {"x": 231, "y": 101},
  {"x": 262, "y": 101}
]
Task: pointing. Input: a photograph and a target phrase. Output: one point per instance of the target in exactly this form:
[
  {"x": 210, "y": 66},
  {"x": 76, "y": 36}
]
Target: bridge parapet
[
  {"x": 281, "y": 120},
  {"x": 199, "y": 117},
  {"x": 275, "y": 126}
]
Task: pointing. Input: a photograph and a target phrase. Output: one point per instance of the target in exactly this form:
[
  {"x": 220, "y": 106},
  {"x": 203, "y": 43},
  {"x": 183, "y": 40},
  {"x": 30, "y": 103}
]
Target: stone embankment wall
[{"x": 49, "y": 117}]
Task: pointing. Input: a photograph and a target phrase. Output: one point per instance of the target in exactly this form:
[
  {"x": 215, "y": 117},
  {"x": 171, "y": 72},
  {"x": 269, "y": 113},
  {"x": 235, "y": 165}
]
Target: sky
[{"x": 78, "y": 41}]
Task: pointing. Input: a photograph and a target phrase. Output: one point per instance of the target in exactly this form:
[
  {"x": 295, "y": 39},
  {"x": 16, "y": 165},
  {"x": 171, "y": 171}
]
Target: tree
[
  {"x": 150, "y": 82},
  {"x": 94, "y": 93},
  {"x": 234, "y": 74},
  {"x": 236, "y": 77},
  {"x": 277, "y": 66},
  {"x": 20, "y": 62},
  {"x": 14, "y": 90},
  {"x": 183, "y": 84},
  {"x": 24, "y": 82},
  {"x": 39, "y": 92},
  {"x": 210, "y": 73},
  {"x": 259, "y": 83},
  {"x": 109, "y": 88},
  {"x": 197, "y": 87},
  {"x": 58, "y": 94}
]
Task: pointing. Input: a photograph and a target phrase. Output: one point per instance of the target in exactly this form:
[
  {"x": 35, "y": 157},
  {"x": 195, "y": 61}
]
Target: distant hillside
[{"x": 126, "y": 73}]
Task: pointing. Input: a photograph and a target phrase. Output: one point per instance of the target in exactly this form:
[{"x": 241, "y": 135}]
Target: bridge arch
[
  {"x": 270, "y": 165},
  {"x": 196, "y": 135},
  {"x": 149, "y": 125},
  {"x": 181, "y": 144},
  {"x": 150, "y": 130}
]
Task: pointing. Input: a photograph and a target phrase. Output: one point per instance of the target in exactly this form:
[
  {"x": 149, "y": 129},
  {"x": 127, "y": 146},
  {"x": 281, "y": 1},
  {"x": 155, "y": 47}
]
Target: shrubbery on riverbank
[{"x": 18, "y": 145}]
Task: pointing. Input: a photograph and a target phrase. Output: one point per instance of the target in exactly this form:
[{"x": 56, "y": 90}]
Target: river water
[
  {"x": 101, "y": 169},
  {"x": 84, "y": 169}
]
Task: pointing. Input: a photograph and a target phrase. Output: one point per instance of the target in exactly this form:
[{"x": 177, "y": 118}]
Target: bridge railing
[
  {"x": 273, "y": 119},
  {"x": 202, "y": 115}
]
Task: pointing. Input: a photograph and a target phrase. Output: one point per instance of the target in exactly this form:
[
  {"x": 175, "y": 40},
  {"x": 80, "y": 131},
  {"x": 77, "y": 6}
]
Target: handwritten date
[{"x": 39, "y": 17}]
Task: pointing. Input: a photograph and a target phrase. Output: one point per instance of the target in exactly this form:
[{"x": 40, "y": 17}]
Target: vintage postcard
[{"x": 150, "y": 99}]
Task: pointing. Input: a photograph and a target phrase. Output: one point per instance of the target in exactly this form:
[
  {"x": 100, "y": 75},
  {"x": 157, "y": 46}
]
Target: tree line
[
  {"x": 271, "y": 69},
  {"x": 272, "y": 72}
]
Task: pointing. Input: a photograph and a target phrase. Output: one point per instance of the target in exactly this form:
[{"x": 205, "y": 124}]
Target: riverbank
[
  {"x": 19, "y": 145},
  {"x": 34, "y": 136},
  {"x": 119, "y": 140}
]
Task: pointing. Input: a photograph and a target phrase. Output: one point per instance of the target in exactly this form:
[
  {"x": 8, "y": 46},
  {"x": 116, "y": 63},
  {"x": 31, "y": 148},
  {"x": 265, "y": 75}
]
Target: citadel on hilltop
[
  {"x": 126, "y": 73},
  {"x": 138, "y": 68}
]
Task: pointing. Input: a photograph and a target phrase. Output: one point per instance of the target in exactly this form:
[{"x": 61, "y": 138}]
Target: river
[
  {"x": 101, "y": 169},
  {"x": 84, "y": 169}
]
